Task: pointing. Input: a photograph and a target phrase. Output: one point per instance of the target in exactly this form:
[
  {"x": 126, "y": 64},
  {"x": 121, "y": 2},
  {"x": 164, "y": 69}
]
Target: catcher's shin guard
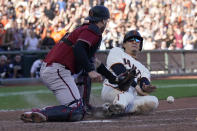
[
  {"x": 86, "y": 95},
  {"x": 65, "y": 112},
  {"x": 84, "y": 85}
]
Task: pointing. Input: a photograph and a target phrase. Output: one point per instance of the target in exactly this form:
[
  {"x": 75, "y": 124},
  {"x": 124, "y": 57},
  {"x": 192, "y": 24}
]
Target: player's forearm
[{"x": 106, "y": 73}]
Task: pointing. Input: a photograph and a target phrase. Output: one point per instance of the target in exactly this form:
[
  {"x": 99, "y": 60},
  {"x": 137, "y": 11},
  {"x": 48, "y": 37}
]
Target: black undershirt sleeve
[
  {"x": 80, "y": 52},
  {"x": 105, "y": 72},
  {"x": 118, "y": 68},
  {"x": 145, "y": 81}
]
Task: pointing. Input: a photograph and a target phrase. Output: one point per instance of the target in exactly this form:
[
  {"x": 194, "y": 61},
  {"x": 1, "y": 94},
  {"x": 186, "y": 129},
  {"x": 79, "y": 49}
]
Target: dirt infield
[{"x": 179, "y": 116}]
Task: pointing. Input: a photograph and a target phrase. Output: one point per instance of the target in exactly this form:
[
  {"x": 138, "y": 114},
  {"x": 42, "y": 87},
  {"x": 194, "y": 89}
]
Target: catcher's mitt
[{"x": 126, "y": 79}]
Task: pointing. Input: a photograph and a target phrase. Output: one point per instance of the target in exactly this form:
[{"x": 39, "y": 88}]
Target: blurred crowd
[
  {"x": 39, "y": 24},
  {"x": 11, "y": 68},
  {"x": 14, "y": 66},
  {"x": 164, "y": 24}
]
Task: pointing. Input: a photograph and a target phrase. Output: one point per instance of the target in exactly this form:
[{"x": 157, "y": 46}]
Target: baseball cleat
[
  {"x": 36, "y": 117},
  {"x": 145, "y": 108},
  {"x": 112, "y": 109},
  {"x": 26, "y": 117},
  {"x": 115, "y": 109},
  {"x": 105, "y": 106}
]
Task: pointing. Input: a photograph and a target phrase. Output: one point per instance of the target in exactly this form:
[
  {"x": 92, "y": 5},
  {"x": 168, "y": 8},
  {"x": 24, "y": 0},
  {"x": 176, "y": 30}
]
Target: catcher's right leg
[{"x": 56, "y": 113}]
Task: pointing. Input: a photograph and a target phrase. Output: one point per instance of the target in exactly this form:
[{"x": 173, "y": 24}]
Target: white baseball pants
[{"x": 129, "y": 99}]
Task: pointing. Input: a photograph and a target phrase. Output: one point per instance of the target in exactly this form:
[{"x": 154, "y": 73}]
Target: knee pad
[{"x": 64, "y": 112}]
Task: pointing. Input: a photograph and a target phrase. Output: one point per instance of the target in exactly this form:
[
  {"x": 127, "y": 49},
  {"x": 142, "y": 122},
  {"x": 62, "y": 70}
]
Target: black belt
[{"x": 49, "y": 64}]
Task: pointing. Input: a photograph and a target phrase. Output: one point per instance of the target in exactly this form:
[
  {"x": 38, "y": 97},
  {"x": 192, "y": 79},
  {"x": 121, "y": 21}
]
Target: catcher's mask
[
  {"x": 133, "y": 34},
  {"x": 98, "y": 13}
]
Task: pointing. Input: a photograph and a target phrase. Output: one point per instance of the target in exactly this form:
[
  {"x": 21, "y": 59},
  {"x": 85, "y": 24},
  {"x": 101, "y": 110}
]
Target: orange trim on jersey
[{"x": 115, "y": 64}]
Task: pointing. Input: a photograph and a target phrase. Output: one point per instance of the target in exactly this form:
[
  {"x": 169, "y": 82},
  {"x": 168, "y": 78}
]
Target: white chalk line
[
  {"x": 94, "y": 88},
  {"x": 97, "y": 121},
  {"x": 139, "y": 121},
  {"x": 160, "y": 122},
  {"x": 25, "y": 93}
]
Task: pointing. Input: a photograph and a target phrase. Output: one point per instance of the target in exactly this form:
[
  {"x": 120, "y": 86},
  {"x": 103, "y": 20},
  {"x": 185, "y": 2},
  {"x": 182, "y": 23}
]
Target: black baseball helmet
[
  {"x": 98, "y": 13},
  {"x": 133, "y": 34}
]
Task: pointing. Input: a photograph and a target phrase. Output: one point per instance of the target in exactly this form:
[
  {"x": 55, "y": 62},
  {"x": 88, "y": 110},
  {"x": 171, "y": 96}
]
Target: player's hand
[
  {"x": 95, "y": 76},
  {"x": 140, "y": 92},
  {"x": 148, "y": 88}
]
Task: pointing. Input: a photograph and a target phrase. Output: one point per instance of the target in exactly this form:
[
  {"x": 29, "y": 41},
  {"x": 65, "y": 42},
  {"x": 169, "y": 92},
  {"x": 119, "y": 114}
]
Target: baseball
[{"x": 170, "y": 99}]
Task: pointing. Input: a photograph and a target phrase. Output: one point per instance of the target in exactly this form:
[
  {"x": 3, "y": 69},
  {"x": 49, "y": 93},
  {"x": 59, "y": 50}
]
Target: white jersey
[{"x": 117, "y": 55}]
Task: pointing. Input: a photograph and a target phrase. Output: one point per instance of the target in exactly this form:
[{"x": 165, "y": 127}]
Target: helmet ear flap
[
  {"x": 91, "y": 13},
  {"x": 141, "y": 45}
]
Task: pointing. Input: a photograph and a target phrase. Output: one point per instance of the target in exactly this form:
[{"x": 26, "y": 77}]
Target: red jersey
[{"x": 62, "y": 53}]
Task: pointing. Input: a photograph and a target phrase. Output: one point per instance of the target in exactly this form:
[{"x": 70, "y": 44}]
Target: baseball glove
[{"x": 126, "y": 79}]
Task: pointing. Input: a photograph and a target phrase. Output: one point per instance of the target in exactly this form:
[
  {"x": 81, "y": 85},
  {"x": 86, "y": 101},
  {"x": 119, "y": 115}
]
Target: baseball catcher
[
  {"x": 70, "y": 56},
  {"x": 131, "y": 95}
]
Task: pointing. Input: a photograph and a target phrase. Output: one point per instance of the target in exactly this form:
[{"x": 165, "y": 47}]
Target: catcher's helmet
[
  {"x": 133, "y": 34},
  {"x": 98, "y": 13}
]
